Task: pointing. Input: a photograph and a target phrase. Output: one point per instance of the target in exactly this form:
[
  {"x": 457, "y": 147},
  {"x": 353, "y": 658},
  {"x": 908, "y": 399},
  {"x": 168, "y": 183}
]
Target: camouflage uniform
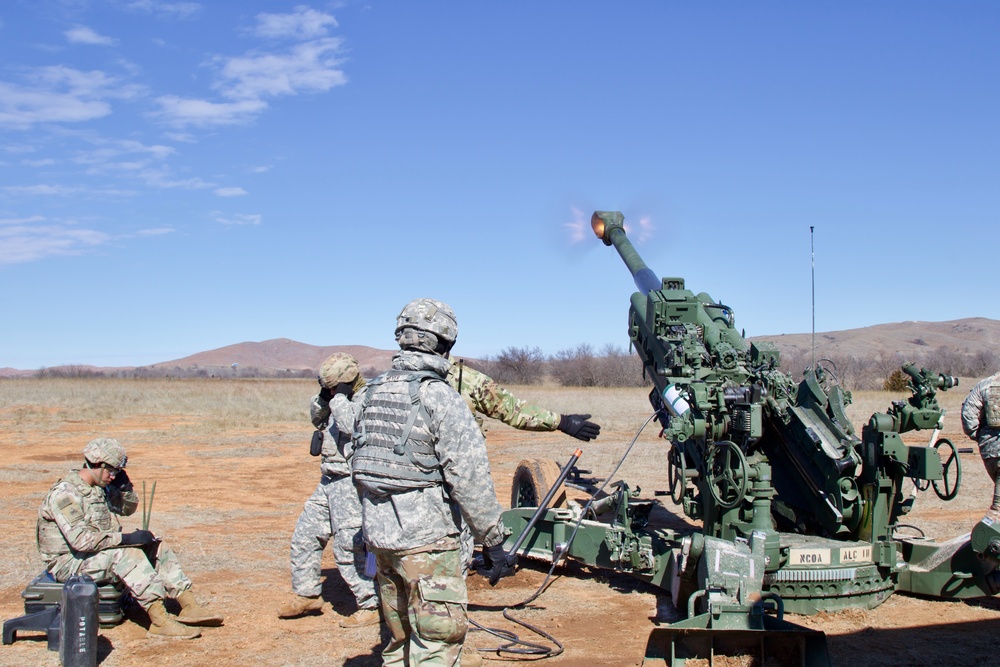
[
  {"x": 78, "y": 533},
  {"x": 333, "y": 509},
  {"x": 981, "y": 422},
  {"x": 485, "y": 396},
  {"x": 414, "y": 532}
]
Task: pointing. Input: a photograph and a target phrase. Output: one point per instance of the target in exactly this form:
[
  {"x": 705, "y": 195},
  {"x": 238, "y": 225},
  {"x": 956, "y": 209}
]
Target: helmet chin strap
[{"x": 94, "y": 473}]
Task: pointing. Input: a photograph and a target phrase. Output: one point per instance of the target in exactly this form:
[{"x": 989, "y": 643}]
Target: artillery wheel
[
  {"x": 727, "y": 474},
  {"x": 532, "y": 480},
  {"x": 676, "y": 474},
  {"x": 948, "y": 490}
]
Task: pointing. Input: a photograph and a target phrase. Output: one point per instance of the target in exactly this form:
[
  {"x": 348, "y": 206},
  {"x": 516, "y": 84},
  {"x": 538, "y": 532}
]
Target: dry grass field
[{"x": 232, "y": 471}]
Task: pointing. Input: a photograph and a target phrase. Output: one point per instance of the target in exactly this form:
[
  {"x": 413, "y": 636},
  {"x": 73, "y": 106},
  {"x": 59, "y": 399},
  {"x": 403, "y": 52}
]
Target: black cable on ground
[{"x": 531, "y": 648}]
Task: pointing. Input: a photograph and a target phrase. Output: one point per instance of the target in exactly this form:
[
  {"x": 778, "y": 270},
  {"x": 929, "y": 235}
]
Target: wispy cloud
[
  {"x": 60, "y": 94},
  {"x": 303, "y": 23},
  {"x": 180, "y": 111},
  {"x": 26, "y": 242},
  {"x": 84, "y": 35},
  {"x": 60, "y": 190},
  {"x": 311, "y": 67},
  {"x": 171, "y": 9},
  {"x": 246, "y": 82},
  {"x": 22, "y": 221},
  {"x": 230, "y": 192},
  {"x": 162, "y": 177},
  {"x": 237, "y": 218}
]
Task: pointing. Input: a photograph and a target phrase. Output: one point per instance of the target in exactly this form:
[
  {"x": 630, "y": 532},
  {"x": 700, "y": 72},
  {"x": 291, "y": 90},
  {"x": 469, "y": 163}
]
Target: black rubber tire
[{"x": 532, "y": 480}]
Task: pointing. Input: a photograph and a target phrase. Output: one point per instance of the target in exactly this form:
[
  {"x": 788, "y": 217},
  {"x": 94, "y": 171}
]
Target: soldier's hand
[
  {"x": 121, "y": 481},
  {"x": 496, "y": 564},
  {"x": 345, "y": 388},
  {"x": 578, "y": 427},
  {"x": 137, "y": 538},
  {"x": 325, "y": 393}
]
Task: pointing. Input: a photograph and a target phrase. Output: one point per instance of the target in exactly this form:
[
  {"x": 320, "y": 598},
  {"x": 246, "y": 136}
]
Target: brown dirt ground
[{"x": 228, "y": 511}]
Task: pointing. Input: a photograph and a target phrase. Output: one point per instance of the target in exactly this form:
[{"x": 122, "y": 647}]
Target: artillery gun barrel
[{"x": 610, "y": 228}]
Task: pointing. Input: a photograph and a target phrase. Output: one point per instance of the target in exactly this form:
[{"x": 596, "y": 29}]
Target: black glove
[
  {"x": 578, "y": 427},
  {"x": 345, "y": 388},
  {"x": 496, "y": 564},
  {"x": 121, "y": 481},
  {"x": 137, "y": 538},
  {"x": 325, "y": 393}
]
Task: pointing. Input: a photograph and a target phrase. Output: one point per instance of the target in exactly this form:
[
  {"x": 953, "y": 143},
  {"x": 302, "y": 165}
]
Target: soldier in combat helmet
[
  {"x": 333, "y": 510},
  {"x": 421, "y": 467},
  {"x": 78, "y": 532},
  {"x": 981, "y": 422}
]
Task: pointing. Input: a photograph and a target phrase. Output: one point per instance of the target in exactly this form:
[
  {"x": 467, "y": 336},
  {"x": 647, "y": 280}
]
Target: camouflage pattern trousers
[
  {"x": 131, "y": 566},
  {"x": 333, "y": 510},
  {"x": 424, "y": 602}
]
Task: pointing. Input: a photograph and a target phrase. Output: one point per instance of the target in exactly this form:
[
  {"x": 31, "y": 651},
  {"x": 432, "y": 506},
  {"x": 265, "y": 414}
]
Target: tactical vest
[
  {"x": 993, "y": 402},
  {"x": 49, "y": 538},
  {"x": 393, "y": 444}
]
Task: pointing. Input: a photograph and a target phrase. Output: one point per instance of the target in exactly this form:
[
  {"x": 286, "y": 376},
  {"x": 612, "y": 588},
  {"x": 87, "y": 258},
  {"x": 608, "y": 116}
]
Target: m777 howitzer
[{"x": 798, "y": 512}]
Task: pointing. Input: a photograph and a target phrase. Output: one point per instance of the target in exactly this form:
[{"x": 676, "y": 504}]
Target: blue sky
[{"x": 177, "y": 176}]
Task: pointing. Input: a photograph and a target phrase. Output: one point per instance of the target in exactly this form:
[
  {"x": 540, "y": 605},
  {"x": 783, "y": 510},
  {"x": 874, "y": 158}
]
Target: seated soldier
[{"x": 78, "y": 533}]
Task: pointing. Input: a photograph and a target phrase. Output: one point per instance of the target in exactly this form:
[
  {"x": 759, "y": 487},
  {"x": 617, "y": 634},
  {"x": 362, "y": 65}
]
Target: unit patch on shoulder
[{"x": 70, "y": 510}]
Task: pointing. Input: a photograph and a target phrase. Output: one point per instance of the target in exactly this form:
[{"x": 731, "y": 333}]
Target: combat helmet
[
  {"x": 337, "y": 368},
  {"x": 427, "y": 316},
  {"x": 105, "y": 450}
]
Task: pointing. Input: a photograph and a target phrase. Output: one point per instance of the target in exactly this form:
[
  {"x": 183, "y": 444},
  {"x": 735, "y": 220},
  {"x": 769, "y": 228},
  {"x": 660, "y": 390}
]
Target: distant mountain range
[{"x": 966, "y": 336}]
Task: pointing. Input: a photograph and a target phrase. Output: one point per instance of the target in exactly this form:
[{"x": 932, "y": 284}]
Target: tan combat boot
[
  {"x": 300, "y": 606},
  {"x": 162, "y": 624},
  {"x": 471, "y": 658},
  {"x": 361, "y": 618},
  {"x": 193, "y": 613}
]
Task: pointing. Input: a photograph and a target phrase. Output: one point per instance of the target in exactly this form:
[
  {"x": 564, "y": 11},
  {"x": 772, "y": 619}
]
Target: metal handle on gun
[{"x": 543, "y": 506}]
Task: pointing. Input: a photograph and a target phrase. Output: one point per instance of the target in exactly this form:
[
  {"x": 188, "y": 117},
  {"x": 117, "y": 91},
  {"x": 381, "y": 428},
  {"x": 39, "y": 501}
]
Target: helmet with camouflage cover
[
  {"x": 105, "y": 450},
  {"x": 337, "y": 368},
  {"x": 427, "y": 316}
]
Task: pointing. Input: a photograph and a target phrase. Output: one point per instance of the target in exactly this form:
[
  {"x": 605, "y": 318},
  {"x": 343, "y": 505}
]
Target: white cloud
[
  {"x": 181, "y": 111},
  {"x": 261, "y": 169},
  {"x": 181, "y": 137},
  {"x": 60, "y": 94},
  {"x": 237, "y": 218},
  {"x": 308, "y": 67},
  {"x": 24, "y": 243},
  {"x": 162, "y": 178},
  {"x": 42, "y": 190},
  {"x": 84, "y": 35},
  {"x": 175, "y": 9},
  {"x": 230, "y": 192},
  {"x": 44, "y": 162},
  {"x": 158, "y": 231},
  {"x": 247, "y": 81},
  {"x": 22, "y": 221},
  {"x": 303, "y": 23},
  {"x": 48, "y": 190}
]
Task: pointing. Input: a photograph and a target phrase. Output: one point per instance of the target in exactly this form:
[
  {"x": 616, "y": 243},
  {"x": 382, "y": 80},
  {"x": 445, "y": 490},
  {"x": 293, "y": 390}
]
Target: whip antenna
[{"x": 812, "y": 251}]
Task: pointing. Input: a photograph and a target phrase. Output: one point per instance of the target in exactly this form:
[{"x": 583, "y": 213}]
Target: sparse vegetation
[{"x": 582, "y": 366}]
